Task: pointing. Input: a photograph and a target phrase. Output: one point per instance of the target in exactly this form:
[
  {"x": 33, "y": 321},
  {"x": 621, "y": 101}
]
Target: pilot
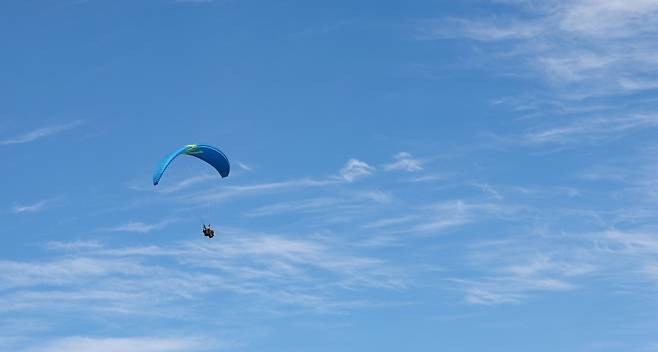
[{"x": 208, "y": 231}]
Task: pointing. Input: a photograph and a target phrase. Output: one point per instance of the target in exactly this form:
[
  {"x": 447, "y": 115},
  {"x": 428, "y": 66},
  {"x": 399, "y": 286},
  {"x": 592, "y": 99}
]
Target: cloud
[
  {"x": 30, "y": 208},
  {"x": 315, "y": 274},
  {"x": 315, "y": 204},
  {"x": 616, "y": 19},
  {"x": 67, "y": 271},
  {"x": 352, "y": 202},
  {"x": 139, "y": 227},
  {"x": 591, "y": 130},
  {"x": 298, "y": 183},
  {"x": 244, "y": 166},
  {"x": 194, "y": 1},
  {"x": 428, "y": 178},
  {"x": 123, "y": 344},
  {"x": 448, "y": 214},
  {"x": 229, "y": 192},
  {"x": 483, "y": 30},
  {"x": 355, "y": 169},
  {"x": 404, "y": 162},
  {"x": 375, "y": 196},
  {"x": 582, "y": 48},
  {"x": 76, "y": 245},
  {"x": 510, "y": 270},
  {"x": 40, "y": 133},
  {"x": 486, "y": 188},
  {"x": 508, "y": 289},
  {"x": 183, "y": 184},
  {"x": 634, "y": 243},
  {"x": 386, "y": 222},
  {"x": 352, "y": 170}
]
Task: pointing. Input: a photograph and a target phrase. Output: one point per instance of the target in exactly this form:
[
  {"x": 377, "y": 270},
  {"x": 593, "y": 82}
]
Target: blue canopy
[{"x": 207, "y": 153}]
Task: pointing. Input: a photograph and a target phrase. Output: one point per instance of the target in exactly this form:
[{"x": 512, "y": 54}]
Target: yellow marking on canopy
[{"x": 193, "y": 149}]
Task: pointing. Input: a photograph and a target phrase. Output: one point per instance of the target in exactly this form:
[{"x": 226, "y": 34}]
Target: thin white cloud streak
[
  {"x": 66, "y": 271},
  {"x": 194, "y": 1},
  {"x": 404, "y": 162},
  {"x": 39, "y": 133},
  {"x": 354, "y": 202},
  {"x": 76, "y": 245},
  {"x": 613, "y": 18},
  {"x": 591, "y": 130},
  {"x": 352, "y": 170},
  {"x": 139, "y": 227},
  {"x": 30, "y": 208},
  {"x": 434, "y": 220},
  {"x": 300, "y": 274},
  {"x": 582, "y": 47},
  {"x": 244, "y": 166},
  {"x": 229, "y": 192},
  {"x": 374, "y": 196},
  {"x": 184, "y": 184},
  {"x": 449, "y": 214},
  {"x": 386, "y": 222},
  {"x": 124, "y": 344},
  {"x": 308, "y": 205},
  {"x": 511, "y": 270},
  {"x": 427, "y": 178},
  {"x": 173, "y": 186},
  {"x": 355, "y": 169},
  {"x": 503, "y": 290},
  {"x": 488, "y": 189},
  {"x": 633, "y": 243},
  {"x": 299, "y": 183},
  {"x": 478, "y": 30}
]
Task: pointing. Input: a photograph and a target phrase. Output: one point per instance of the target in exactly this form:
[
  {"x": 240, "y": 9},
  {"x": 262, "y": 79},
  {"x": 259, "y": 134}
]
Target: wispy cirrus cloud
[
  {"x": 39, "y": 133},
  {"x": 597, "y": 45},
  {"x": 355, "y": 169},
  {"x": 229, "y": 192},
  {"x": 298, "y": 183},
  {"x": 591, "y": 130},
  {"x": 298, "y": 207},
  {"x": 304, "y": 274},
  {"x": 512, "y": 269},
  {"x": 387, "y": 222},
  {"x": 125, "y": 344},
  {"x": 511, "y": 289},
  {"x": 352, "y": 170},
  {"x": 194, "y": 1},
  {"x": 404, "y": 162},
  {"x": 244, "y": 166},
  {"x": 483, "y": 30},
  {"x": 593, "y": 60},
  {"x": 349, "y": 202},
  {"x": 449, "y": 214},
  {"x": 184, "y": 184},
  {"x": 433, "y": 220},
  {"x": 374, "y": 196},
  {"x": 139, "y": 227},
  {"x": 30, "y": 208},
  {"x": 75, "y": 245}
]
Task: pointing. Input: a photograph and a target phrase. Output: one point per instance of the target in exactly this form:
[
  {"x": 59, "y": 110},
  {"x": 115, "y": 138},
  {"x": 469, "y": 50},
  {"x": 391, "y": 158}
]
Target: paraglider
[
  {"x": 207, "y": 153},
  {"x": 208, "y": 231}
]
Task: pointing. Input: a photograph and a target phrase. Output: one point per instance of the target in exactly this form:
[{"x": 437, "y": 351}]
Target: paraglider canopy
[{"x": 207, "y": 153}]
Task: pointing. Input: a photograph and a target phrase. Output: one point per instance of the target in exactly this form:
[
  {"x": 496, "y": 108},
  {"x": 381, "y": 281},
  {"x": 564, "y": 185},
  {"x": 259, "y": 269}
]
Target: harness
[{"x": 208, "y": 232}]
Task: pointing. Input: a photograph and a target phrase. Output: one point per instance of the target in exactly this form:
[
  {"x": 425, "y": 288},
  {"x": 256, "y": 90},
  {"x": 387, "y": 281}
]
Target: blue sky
[{"x": 422, "y": 176}]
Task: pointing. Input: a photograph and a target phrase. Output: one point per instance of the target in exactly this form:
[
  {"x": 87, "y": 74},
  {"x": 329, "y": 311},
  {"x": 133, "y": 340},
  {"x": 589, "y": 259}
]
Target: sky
[{"x": 406, "y": 175}]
